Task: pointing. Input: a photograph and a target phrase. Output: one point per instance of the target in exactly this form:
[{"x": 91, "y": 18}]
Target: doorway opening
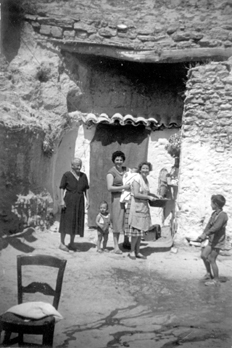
[{"x": 133, "y": 141}]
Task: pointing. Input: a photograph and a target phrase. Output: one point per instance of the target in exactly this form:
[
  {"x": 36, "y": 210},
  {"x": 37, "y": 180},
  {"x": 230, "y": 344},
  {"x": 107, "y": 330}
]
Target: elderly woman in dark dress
[
  {"x": 115, "y": 186},
  {"x": 73, "y": 187}
]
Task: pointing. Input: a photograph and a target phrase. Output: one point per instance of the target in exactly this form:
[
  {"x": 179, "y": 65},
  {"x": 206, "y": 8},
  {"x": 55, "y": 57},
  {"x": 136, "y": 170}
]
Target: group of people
[
  {"x": 130, "y": 196},
  {"x": 130, "y": 212}
]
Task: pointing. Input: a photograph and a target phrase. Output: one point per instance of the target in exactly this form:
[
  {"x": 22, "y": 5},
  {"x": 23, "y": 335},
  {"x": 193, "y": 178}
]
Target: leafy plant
[{"x": 174, "y": 145}]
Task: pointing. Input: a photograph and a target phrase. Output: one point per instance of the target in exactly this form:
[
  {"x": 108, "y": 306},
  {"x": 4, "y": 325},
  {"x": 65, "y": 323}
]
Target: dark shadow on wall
[
  {"x": 12, "y": 21},
  {"x": 105, "y": 85}
]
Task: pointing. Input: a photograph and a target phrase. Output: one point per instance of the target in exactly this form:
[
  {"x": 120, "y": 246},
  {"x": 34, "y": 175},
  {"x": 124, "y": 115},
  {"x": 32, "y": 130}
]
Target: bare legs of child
[
  {"x": 209, "y": 256},
  {"x": 102, "y": 236},
  {"x": 204, "y": 255}
]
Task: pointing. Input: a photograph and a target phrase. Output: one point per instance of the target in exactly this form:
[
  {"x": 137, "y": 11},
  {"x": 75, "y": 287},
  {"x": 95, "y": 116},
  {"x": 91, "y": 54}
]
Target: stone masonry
[
  {"x": 206, "y": 157},
  {"x": 158, "y": 25}
]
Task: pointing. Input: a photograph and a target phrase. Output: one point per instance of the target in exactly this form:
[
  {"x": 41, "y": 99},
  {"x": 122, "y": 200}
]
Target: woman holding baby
[{"x": 115, "y": 185}]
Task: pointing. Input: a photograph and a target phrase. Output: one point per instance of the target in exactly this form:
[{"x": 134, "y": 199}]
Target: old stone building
[{"x": 87, "y": 78}]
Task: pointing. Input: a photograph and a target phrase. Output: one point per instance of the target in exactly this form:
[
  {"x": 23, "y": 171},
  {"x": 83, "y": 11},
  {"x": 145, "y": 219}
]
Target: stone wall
[
  {"x": 206, "y": 157},
  {"x": 139, "y": 25},
  {"x": 104, "y": 85}
]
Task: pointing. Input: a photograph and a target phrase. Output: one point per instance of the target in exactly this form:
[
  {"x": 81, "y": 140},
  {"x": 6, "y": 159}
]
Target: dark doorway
[{"x": 132, "y": 140}]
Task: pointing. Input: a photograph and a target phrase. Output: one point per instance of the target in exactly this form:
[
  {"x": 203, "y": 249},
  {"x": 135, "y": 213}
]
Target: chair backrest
[{"x": 44, "y": 288}]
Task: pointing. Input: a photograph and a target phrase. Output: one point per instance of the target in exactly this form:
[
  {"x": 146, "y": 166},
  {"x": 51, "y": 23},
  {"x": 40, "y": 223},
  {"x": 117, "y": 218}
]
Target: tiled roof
[{"x": 128, "y": 119}]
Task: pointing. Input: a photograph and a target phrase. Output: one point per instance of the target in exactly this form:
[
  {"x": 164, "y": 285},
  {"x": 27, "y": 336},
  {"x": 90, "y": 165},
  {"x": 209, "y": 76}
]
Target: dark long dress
[{"x": 72, "y": 219}]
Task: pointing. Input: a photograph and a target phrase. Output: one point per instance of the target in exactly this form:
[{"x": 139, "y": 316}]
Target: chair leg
[
  {"x": 20, "y": 339},
  {"x": 48, "y": 337},
  {"x": 6, "y": 339}
]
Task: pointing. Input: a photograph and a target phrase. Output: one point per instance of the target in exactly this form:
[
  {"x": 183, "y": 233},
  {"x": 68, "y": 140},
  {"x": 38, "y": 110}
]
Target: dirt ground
[{"x": 110, "y": 300}]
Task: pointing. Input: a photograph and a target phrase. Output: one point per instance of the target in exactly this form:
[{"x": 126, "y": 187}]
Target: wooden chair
[{"x": 11, "y": 323}]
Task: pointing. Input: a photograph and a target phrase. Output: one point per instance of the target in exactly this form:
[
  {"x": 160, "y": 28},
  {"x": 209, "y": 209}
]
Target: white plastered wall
[
  {"x": 75, "y": 143},
  {"x": 159, "y": 158}
]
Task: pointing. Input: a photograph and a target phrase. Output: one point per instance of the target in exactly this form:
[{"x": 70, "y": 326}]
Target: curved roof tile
[{"x": 118, "y": 118}]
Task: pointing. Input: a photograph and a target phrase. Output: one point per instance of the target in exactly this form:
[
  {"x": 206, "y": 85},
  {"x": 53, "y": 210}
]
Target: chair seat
[{"x": 15, "y": 323}]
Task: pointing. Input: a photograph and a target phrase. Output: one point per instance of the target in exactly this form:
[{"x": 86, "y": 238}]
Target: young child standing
[
  {"x": 103, "y": 223},
  {"x": 215, "y": 230}
]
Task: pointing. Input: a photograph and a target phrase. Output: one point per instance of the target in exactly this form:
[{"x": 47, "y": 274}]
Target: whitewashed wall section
[
  {"x": 75, "y": 143},
  {"x": 206, "y": 158},
  {"x": 159, "y": 158}
]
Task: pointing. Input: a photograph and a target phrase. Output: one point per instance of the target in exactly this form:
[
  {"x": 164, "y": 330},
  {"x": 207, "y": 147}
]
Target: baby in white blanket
[{"x": 128, "y": 179}]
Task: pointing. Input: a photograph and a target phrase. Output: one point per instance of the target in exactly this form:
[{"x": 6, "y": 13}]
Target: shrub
[{"x": 174, "y": 145}]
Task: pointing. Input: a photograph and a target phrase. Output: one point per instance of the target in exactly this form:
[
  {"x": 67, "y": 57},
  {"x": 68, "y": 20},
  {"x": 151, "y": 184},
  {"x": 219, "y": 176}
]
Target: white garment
[
  {"x": 127, "y": 179},
  {"x": 35, "y": 310}
]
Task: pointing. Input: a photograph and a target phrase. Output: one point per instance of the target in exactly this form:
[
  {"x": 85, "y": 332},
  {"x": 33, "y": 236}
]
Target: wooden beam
[
  {"x": 146, "y": 56},
  {"x": 193, "y": 54}
]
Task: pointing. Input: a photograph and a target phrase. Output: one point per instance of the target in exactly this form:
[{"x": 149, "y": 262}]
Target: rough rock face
[
  {"x": 206, "y": 158},
  {"x": 29, "y": 116},
  {"x": 159, "y": 26}
]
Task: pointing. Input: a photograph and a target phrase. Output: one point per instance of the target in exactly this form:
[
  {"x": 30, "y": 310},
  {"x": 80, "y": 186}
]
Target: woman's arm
[
  {"x": 62, "y": 191},
  {"x": 111, "y": 188},
  {"x": 137, "y": 194},
  {"x": 87, "y": 199},
  {"x": 62, "y": 194}
]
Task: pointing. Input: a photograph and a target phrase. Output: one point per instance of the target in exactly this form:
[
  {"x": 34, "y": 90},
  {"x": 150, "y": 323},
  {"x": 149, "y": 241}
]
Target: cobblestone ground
[{"x": 110, "y": 300}]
